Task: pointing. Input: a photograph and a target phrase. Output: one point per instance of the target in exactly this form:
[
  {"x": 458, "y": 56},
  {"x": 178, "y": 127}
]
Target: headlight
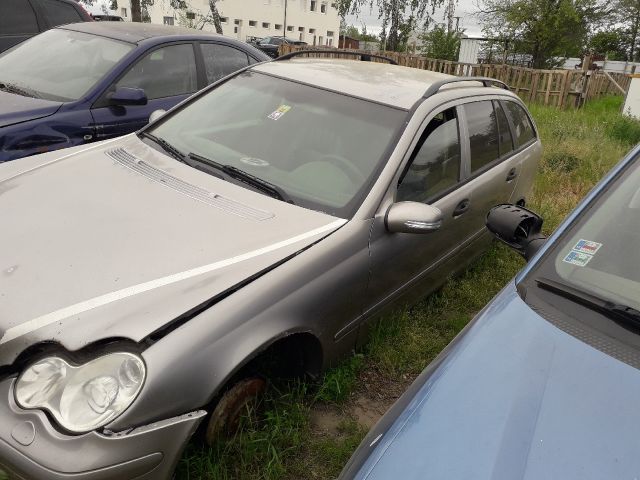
[{"x": 85, "y": 397}]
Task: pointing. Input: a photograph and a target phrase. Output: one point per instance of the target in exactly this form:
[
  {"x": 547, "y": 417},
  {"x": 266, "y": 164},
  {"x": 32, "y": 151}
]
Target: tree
[
  {"x": 399, "y": 17},
  {"x": 626, "y": 14},
  {"x": 613, "y": 43},
  {"x": 545, "y": 29},
  {"x": 440, "y": 43}
]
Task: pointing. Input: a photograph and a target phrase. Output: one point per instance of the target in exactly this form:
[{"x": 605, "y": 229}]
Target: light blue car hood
[{"x": 516, "y": 398}]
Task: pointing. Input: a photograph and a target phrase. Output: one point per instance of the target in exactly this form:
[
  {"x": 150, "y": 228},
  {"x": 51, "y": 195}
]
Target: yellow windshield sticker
[{"x": 280, "y": 111}]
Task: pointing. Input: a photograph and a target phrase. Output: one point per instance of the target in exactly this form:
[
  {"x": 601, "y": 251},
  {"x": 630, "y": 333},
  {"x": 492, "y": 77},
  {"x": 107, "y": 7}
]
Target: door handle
[
  {"x": 462, "y": 207},
  {"x": 513, "y": 173}
]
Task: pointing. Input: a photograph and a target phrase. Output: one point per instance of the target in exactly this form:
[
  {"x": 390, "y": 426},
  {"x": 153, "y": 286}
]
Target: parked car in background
[
  {"x": 542, "y": 383},
  {"x": 271, "y": 45},
  {"x": 154, "y": 281},
  {"x": 92, "y": 81},
  {"x": 108, "y": 18},
  {"x": 22, "y": 19}
]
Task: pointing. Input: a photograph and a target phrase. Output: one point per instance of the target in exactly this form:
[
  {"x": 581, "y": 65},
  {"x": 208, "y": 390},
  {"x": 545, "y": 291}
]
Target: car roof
[
  {"x": 384, "y": 83},
  {"x": 134, "y": 32}
]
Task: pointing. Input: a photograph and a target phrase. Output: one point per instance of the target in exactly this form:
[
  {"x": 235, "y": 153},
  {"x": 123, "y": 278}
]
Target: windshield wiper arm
[
  {"x": 13, "y": 88},
  {"x": 166, "y": 146},
  {"x": 615, "y": 311},
  {"x": 245, "y": 177}
]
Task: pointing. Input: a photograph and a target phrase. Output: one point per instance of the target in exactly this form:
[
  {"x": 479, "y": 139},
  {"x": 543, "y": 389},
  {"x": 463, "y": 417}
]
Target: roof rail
[
  {"x": 364, "y": 57},
  {"x": 486, "y": 81}
]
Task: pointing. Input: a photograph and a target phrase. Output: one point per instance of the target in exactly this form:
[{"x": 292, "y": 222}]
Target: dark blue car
[
  {"x": 91, "y": 81},
  {"x": 542, "y": 384}
]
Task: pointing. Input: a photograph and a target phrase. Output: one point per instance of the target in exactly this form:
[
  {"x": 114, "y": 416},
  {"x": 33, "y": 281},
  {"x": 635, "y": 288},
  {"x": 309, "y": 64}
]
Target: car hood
[
  {"x": 516, "y": 398},
  {"x": 99, "y": 244},
  {"x": 17, "y": 108}
]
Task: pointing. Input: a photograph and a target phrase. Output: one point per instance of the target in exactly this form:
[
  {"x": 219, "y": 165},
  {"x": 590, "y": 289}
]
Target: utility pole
[
  {"x": 457, "y": 23},
  {"x": 284, "y": 33},
  {"x": 450, "y": 12}
]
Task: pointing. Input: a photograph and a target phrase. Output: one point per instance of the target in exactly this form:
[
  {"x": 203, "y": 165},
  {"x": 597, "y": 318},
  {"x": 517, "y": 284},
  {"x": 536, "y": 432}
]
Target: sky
[{"x": 464, "y": 9}]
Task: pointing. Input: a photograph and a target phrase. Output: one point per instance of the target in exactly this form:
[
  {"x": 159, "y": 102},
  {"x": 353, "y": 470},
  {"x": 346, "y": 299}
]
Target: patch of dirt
[{"x": 326, "y": 420}]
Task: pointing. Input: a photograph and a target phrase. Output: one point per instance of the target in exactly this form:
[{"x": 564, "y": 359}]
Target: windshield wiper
[
  {"x": 13, "y": 88},
  {"x": 615, "y": 311},
  {"x": 245, "y": 177},
  {"x": 166, "y": 146}
]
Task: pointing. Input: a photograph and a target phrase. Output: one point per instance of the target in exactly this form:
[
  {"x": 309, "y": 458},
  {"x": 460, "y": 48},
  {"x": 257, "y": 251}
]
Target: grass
[{"x": 579, "y": 148}]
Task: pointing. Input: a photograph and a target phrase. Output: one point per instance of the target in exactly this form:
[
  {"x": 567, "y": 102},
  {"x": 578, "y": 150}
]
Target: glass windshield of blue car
[
  {"x": 59, "y": 65},
  {"x": 598, "y": 255},
  {"x": 322, "y": 148}
]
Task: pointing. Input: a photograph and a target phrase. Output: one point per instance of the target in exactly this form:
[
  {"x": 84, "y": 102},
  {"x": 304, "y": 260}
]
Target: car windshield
[
  {"x": 60, "y": 65},
  {"x": 321, "y": 148},
  {"x": 599, "y": 253}
]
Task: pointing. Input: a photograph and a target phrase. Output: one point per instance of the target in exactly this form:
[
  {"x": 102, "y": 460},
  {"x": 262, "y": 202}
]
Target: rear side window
[
  {"x": 435, "y": 164},
  {"x": 523, "y": 129},
  {"x": 165, "y": 72},
  {"x": 221, "y": 60},
  {"x": 504, "y": 133},
  {"x": 483, "y": 134},
  {"x": 59, "y": 13},
  {"x": 17, "y": 16}
]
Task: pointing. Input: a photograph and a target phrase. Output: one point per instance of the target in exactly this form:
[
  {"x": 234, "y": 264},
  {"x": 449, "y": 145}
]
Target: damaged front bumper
[{"x": 31, "y": 448}]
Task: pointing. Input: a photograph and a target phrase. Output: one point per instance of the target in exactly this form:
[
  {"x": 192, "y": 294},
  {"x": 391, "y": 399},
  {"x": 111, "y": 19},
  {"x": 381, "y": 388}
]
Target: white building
[{"x": 313, "y": 21}]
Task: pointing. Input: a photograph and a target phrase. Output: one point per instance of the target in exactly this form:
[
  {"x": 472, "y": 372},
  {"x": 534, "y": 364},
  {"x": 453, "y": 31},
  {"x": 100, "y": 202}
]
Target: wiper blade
[
  {"x": 615, "y": 311},
  {"x": 166, "y": 146},
  {"x": 245, "y": 177},
  {"x": 13, "y": 88}
]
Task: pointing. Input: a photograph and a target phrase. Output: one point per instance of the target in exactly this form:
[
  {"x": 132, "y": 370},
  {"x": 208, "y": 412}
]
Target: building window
[
  {"x": 329, "y": 34},
  {"x": 277, "y": 26},
  {"x": 312, "y": 30},
  {"x": 191, "y": 16},
  {"x": 224, "y": 20},
  {"x": 266, "y": 25},
  {"x": 290, "y": 28},
  {"x": 301, "y": 29},
  {"x": 253, "y": 23},
  {"x": 330, "y": 41},
  {"x": 123, "y": 12},
  {"x": 236, "y": 22},
  {"x": 167, "y": 20},
  {"x": 313, "y": 5},
  {"x": 323, "y": 7}
]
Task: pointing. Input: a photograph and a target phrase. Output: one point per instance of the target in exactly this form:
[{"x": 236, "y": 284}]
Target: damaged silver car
[{"x": 149, "y": 283}]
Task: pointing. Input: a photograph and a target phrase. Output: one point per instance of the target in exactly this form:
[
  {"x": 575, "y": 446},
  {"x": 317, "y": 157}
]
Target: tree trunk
[
  {"x": 216, "y": 16},
  {"x": 136, "y": 12}
]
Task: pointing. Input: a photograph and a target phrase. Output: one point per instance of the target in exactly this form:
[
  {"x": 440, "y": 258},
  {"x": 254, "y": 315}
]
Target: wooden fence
[{"x": 559, "y": 88}]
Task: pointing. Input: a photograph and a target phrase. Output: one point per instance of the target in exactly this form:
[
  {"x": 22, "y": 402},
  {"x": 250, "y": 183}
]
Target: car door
[
  {"x": 220, "y": 60},
  {"x": 435, "y": 174},
  {"x": 17, "y": 22},
  {"x": 167, "y": 75}
]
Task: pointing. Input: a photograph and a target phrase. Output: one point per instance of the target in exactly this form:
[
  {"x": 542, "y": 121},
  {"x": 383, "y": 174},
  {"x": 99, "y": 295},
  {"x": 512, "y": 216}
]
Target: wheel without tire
[{"x": 225, "y": 417}]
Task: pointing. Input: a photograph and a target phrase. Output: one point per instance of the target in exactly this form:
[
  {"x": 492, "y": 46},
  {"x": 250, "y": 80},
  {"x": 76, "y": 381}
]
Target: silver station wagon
[{"x": 152, "y": 283}]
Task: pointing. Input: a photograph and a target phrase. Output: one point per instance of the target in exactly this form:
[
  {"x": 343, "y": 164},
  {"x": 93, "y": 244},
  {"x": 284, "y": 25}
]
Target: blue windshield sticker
[
  {"x": 577, "y": 258},
  {"x": 587, "y": 246}
]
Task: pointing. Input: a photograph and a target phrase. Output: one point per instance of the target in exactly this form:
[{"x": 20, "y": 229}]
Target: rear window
[
  {"x": 483, "y": 134},
  {"x": 59, "y": 13},
  {"x": 523, "y": 129},
  {"x": 17, "y": 16}
]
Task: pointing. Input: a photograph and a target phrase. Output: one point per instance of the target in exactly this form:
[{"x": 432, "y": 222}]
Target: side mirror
[
  {"x": 156, "y": 114},
  {"x": 413, "y": 217},
  {"x": 128, "y": 96},
  {"x": 517, "y": 227}
]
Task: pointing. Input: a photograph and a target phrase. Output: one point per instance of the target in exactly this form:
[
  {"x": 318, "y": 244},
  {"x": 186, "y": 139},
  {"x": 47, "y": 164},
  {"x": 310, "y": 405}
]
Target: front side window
[
  {"x": 59, "y": 64},
  {"x": 483, "y": 134},
  {"x": 59, "y": 13},
  {"x": 16, "y": 17},
  {"x": 165, "y": 72},
  {"x": 523, "y": 129},
  {"x": 221, "y": 60},
  {"x": 321, "y": 148},
  {"x": 435, "y": 165}
]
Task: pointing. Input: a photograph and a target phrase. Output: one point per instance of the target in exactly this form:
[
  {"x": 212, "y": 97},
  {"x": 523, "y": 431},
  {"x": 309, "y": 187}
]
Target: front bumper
[{"x": 31, "y": 448}]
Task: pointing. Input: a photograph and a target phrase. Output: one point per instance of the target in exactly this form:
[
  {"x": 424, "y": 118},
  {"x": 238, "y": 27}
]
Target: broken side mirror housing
[{"x": 517, "y": 227}]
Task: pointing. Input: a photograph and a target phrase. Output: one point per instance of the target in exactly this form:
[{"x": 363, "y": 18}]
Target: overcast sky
[{"x": 464, "y": 9}]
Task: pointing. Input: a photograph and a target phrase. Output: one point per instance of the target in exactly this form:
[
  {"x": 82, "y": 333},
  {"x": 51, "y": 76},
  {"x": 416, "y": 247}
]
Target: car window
[
  {"x": 483, "y": 134},
  {"x": 221, "y": 60},
  {"x": 59, "y": 13},
  {"x": 523, "y": 129},
  {"x": 435, "y": 165},
  {"x": 505, "y": 140},
  {"x": 17, "y": 16},
  {"x": 165, "y": 72},
  {"x": 60, "y": 64}
]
